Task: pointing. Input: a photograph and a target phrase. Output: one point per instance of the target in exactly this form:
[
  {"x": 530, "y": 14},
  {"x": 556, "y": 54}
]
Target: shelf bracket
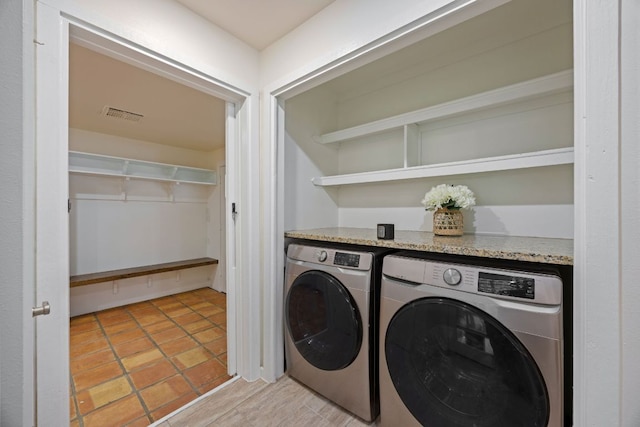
[
  {"x": 172, "y": 188},
  {"x": 125, "y": 187},
  {"x": 412, "y": 145}
]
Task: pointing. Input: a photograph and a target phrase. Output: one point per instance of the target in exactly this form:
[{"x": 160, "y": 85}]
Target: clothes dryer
[
  {"x": 469, "y": 345},
  {"x": 331, "y": 323}
]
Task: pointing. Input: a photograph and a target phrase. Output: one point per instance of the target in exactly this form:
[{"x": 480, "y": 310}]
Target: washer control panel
[
  {"x": 346, "y": 259},
  {"x": 506, "y": 285},
  {"x": 543, "y": 287}
]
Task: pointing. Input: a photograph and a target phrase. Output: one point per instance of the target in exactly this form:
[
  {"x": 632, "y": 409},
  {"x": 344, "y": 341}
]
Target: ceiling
[
  {"x": 173, "y": 114},
  {"x": 258, "y": 23}
]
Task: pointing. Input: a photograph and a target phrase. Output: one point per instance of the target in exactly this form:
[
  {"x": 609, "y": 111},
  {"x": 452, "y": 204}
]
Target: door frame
[{"x": 55, "y": 30}]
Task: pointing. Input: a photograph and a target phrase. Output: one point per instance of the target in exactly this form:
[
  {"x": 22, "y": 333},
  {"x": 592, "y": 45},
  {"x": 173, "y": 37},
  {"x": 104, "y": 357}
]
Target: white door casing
[
  {"x": 52, "y": 222},
  {"x": 222, "y": 174},
  {"x": 231, "y": 231},
  {"x": 54, "y": 32}
]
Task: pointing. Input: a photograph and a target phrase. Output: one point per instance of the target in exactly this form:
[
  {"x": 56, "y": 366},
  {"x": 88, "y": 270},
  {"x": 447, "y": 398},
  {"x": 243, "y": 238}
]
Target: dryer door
[
  {"x": 323, "y": 320},
  {"x": 455, "y": 365}
]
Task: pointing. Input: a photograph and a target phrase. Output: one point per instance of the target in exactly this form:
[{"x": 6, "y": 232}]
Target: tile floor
[
  {"x": 132, "y": 365},
  {"x": 284, "y": 403}
]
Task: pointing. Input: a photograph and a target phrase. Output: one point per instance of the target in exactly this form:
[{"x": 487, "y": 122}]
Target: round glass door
[
  {"x": 454, "y": 365},
  {"x": 323, "y": 320}
]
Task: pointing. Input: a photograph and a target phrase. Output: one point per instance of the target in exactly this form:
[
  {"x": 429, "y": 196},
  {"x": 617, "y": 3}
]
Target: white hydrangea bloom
[{"x": 449, "y": 196}]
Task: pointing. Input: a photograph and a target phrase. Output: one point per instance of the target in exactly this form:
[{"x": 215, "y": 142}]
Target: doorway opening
[{"x": 147, "y": 240}]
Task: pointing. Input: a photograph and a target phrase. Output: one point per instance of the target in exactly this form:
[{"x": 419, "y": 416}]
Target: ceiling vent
[{"x": 121, "y": 114}]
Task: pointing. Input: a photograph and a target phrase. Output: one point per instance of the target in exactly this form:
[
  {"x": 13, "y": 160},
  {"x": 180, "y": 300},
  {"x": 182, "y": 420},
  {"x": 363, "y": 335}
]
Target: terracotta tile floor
[{"x": 133, "y": 365}]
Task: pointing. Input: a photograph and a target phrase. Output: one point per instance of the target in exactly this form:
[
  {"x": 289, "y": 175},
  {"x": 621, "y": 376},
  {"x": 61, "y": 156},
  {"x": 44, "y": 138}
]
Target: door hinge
[
  {"x": 44, "y": 309},
  {"x": 68, "y": 205}
]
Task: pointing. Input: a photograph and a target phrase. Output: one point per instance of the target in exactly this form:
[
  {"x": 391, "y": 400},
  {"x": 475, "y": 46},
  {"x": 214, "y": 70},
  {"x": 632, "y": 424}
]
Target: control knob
[
  {"x": 322, "y": 256},
  {"x": 452, "y": 276}
]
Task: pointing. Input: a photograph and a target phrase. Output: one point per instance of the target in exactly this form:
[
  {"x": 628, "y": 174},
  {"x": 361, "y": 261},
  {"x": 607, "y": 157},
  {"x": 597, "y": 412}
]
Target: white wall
[
  {"x": 16, "y": 211},
  {"x": 309, "y": 206},
  {"x": 113, "y": 234}
]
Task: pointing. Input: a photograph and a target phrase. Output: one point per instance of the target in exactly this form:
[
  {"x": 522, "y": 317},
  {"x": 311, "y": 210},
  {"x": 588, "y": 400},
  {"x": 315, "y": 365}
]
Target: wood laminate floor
[{"x": 285, "y": 403}]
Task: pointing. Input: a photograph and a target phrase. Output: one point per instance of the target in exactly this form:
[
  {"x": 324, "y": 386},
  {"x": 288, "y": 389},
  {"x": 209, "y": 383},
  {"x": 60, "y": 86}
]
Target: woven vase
[{"x": 448, "y": 222}]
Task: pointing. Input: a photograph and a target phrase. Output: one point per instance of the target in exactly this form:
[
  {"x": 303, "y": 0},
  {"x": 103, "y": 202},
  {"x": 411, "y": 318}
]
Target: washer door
[
  {"x": 323, "y": 320},
  {"x": 454, "y": 365}
]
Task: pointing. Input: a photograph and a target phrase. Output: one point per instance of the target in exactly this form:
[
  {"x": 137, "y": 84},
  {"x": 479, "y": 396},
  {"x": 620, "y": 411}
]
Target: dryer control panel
[{"x": 328, "y": 256}]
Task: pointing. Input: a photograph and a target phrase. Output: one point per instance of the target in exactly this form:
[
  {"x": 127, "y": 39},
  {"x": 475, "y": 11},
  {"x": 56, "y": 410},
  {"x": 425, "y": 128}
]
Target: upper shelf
[
  {"x": 545, "y": 85},
  {"x": 534, "y": 159},
  {"x": 97, "y": 164}
]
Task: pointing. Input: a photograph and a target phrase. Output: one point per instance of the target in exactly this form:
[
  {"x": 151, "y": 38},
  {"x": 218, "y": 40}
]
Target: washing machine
[
  {"x": 469, "y": 345},
  {"x": 331, "y": 323}
]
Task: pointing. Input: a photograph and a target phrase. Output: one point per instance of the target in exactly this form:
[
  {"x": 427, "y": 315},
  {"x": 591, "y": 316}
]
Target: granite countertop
[{"x": 532, "y": 249}]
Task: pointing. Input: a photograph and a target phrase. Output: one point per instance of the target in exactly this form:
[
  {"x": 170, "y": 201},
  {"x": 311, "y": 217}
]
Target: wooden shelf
[
  {"x": 558, "y": 156},
  {"x": 109, "y": 276},
  {"x": 546, "y": 85},
  {"x": 96, "y": 164}
]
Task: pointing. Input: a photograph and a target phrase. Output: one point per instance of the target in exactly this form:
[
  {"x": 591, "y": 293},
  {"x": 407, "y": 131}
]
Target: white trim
[
  {"x": 249, "y": 331},
  {"x": 273, "y": 351},
  {"x": 109, "y": 44},
  {"x": 52, "y": 223},
  {"x": 243, "y": 252},
  {"x": 230, "y": 194},
  {"x": 597, "y": 341},
  {"x": 630, "y": 206}
]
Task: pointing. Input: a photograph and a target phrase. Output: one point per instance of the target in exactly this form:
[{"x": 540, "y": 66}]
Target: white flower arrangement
[{"x": 449, "y": 196}]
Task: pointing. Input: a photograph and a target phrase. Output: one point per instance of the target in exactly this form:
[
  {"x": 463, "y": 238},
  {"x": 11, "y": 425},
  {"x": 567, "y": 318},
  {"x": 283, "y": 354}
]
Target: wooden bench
[{"x": 125, "y": 273}]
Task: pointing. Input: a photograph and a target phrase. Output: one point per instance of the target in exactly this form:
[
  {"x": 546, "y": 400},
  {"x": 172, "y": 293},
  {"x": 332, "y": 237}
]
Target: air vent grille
[{"x": 117, "y": 113}]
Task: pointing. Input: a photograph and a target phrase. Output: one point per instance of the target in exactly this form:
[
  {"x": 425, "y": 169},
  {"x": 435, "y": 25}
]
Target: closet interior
[{"x": 146, "y": 206}]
